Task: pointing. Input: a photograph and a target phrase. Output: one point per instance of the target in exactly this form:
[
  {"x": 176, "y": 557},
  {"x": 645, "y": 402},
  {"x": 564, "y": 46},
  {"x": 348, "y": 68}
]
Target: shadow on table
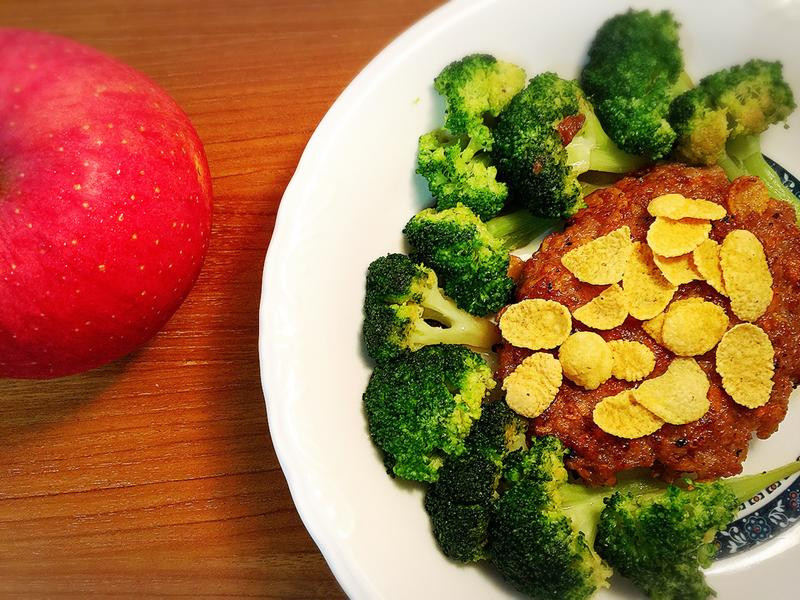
[{"x": 28, "y": 406}]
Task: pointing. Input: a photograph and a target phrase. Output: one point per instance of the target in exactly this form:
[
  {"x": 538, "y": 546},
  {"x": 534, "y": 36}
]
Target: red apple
[{"x": 105, "y": 206}]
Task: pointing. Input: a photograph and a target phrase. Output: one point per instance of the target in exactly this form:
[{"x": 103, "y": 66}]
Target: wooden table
[{"x": 155, "y": 476}]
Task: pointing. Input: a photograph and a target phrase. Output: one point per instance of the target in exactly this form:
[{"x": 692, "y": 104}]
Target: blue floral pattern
[
  {"x": 789, "y": 180},
  {"x": 780, "y": 513},
  {"x": 783, "y": 509}
]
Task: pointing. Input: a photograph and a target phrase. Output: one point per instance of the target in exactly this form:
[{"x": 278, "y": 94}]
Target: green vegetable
[
  {"x": 471, "y": 257},
  {"x": 547, "y": 536},
  {"x": 401, "y": 298},
  {"x": 635, "y": 69},
  {"x": 720, "y": 121},
  {"x": 420, "y": 407},
  {"x": 660, "y": 541},
  {"x": 460, "y": 502},
  {"x": 477, "y": 88},
  {"x": 455, "y": 159},
  {"x": 534, "y": 537},
  {"x": 459, "y": 173},
  {"x": 540, "y": 166}
]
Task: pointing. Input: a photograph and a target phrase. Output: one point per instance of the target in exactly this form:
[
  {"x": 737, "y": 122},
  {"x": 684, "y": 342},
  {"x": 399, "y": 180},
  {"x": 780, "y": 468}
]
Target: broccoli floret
[
  {"x": 477, "y": 88},
  {"x": 754, "y": 95},
  {"x": 458, "y": 173},
  {"x": 549, "y": 538},
  {"x": 471, "y": 257},
  {"x": 420, "y": 407},
  {"x": 401, "y": 298},
  {"x": 535, "y": 540},
  {"x": 701, "y": 127},
  {"x": 545, "y": 138},
  {"x": 460, "y": 502},
  {"x": 455, "y": 159},
  {"x": 660, "y": 541},
  {"x": 740, "y": 101},
  {"x": 720, "y": 121},
  {"x": 635, "y": 69}
]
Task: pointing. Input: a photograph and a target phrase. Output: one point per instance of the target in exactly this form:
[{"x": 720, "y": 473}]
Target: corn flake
[
  {"x": 605, "y": 311},
  {"x": 647, "y": 292},
  {"x": 586, "y": 359},
  {"x": 746, "y": 274},
  {"x": 679, "y": 396},
  {"x": 745, "y": 361},
  {"x": 536, "y": 324},
  {"x": 675, "y": 206},
  {"x": 693, "y": 326},
  {"x": 622, "y": 416},
  {"x": 533, "y": 385},
  {"x": 706, "y": 260},
  {"x": 601, "y": 261},
  {"x": 631, "y": 361},
  {"x": 670, "y": 237},
  {"x": 678, "y": 269},
  {"x": 654, "y": 326}
]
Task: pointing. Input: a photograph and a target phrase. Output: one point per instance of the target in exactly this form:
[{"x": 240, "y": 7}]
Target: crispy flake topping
[
  {"x": 622, "y": 416},
  {"x": 745, "y": 361},
  {"x": 606, "y": 311},
  {"x": 533, "y": 385},
  {"x": 586, "y": 359},
  {"x": 536, "y": 324},
  {"x": 601, "y": 261},
  {"x": 746, "y": 274}
]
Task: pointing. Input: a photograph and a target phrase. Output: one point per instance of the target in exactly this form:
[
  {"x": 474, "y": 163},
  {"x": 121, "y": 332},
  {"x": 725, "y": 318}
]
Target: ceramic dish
[{"x": 353, "y": 191}]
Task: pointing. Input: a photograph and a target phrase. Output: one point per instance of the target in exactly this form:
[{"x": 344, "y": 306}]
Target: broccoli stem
[
  {"x": 583, "y": 504},
  {"x": 517, "y": 229},
  {"x": 747, "y": 486},
  {"x": 592, "y": 150},
  {"x": 743, "y": 157},
  {"x": 607, "y": 157},
  {"x": 589, "y": 187},
  {"x": 461, "y": 327},
  {"x": 470, "y": 150},
  {"x": 683, "y": 84},
  {"x": 428, "y": 335}
]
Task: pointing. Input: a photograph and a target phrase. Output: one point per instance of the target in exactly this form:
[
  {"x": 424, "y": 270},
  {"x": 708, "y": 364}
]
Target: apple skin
[{"x": 105, "y": 207}]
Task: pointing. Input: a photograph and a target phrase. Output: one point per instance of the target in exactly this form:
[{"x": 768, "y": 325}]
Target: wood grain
[{"x": 155, "y": 476}]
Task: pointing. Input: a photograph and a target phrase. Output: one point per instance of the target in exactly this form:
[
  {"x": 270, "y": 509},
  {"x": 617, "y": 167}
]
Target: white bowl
[{"x": 353, "y": 192}]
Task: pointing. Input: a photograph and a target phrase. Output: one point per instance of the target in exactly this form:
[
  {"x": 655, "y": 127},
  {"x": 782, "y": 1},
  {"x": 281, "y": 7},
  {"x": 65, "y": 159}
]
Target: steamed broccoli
[
  {"x": 401, "y": 298},
  {"x": 535, "y": 540},
  {"x": 545, "y": 138},
  {"x": 471, "y": 257},
  {"x": 420, "y": 407},
  {"x": 455, "y": 159},
  {"x": 458, "y": 173},
  {"x": 721, "y": 119},
  {"x": 660, "y": 541},
  {"x": 635, "y": 69},
  {"x": 549, "y": 537},
  {"x": 460, "y": 502},
  {"x": 475, "y": 89}
]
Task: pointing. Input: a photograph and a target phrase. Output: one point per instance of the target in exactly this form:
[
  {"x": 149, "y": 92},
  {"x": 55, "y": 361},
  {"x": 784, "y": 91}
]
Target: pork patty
[{"x": 715, "y": 445}]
